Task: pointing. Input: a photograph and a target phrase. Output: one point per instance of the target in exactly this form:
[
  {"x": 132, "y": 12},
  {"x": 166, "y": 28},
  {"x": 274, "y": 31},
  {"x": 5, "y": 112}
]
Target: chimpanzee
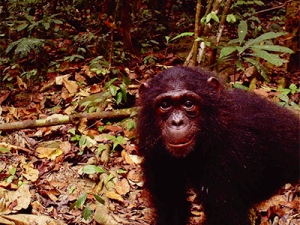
[{"x": 235, "y": 148}]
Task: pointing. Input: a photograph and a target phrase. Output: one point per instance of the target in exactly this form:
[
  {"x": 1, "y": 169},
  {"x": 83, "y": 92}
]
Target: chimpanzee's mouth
[{"x": 181, "y": 149}]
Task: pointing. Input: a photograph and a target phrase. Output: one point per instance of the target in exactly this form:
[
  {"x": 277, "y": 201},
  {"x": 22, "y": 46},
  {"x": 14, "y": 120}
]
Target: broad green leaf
[
  {"x": 119, "y": 98},
  {"x": 282, "y": 104},
  {"x": 101, "y": 128},
  {"x": 82, "y": 141},
  {"x": 113, "y": 90},
  {"x": 124, "y": 93},
  {"x": 109, "y": 137},
  {"x": 295, "y": 106},
  {"x": 126, "y": 80},
  {"x": 76, "y": 138},
  {"x": 167, "y": 39},
  {"x": 240, "y": 86},
  {"x": 271, "y": 58},
  {"x": 29, "y": 17},
  {"x": 227, "y": 51},
  {"x": 13, "y": 171},
  {"x": 92, "y": 109},
  {"x": 263, "y": 37},
  {"x": 99, "y": 199},
  {"x": 46, "y": 25},
  {"x": 92, "y": 169},
  {"x": 57, "y": 21},
  {"x": 119, "y": 141},
  {"x": 182, "y": 35},
  {"x": 72, "y": 131},
  {"x": 230, "y": 18},
  {"x": 242, "y": 31},
  {"x": 240, "y": 49},
  {"x": 109, "y": 178},
  {"x": 259, "y": 67},
  {"x": 284, "y": 91},
  {"x": 283, "y": 97},
  {"x": 9, "y": 179},
  {"x": 260, "y": 3},
  {"x": 213, "y": 16},
  {"x": 121, "y": 171},
  {"x": 22, "y": 26},
  {"x": 203, "y": 19},
  {"x": 131, "y": 124},
  {"x": 275, "y": 48},
  {"x": 4, "y": 150},
  {"x": 87, "y": 213},
  {"x": 101, "y": 148},
  {"x": 80, "y": 201},
  {"x": 110, "y": 82},
  {"x": 293, "y": 87},
  {"x": 85, "y": 104},
  {"x": 233, "y": 41}
]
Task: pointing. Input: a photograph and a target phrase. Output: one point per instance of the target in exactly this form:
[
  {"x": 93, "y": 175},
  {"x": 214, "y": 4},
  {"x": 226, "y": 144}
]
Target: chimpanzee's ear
[
  {"x": 143, "y": 87},
  {"x": 215, "y": 83}
]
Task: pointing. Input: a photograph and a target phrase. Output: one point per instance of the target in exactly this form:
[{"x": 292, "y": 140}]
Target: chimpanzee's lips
[{"x": 181, "y": 145}]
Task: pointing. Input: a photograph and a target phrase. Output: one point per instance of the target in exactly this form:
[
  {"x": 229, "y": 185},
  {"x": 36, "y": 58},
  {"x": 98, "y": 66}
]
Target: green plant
[
  {"x": 246, "y": 10},
  {"x": 111, "y": 94},
  {"x": 92, "y": 102},
  {"x": 32, "y": 74},
  {"x": 184, "y": 34},
  {"x": 99, "y": 65},
  {"x": 24, "y": 46},
  {"x": 42, "y": 25},
  {"x": 119, "y": 93},
  {"x": 7, "y": 74},
  {"x": 82, "y": 140},
  {"x": 12, "y": 173},
  {"x": 149, "y": 45},
  {"x": 74, "y": 57},
  {"x": 87, "y": 212},
  {"x": 209, "y": 17},
  {"x": 253, "y": 50},
  {"x": 150, "y": 59},
  {"x": 92, "y": 169},
  {"x": 284, "y": 97},
  {"x": 119, "y": 140},
  {"x": 130, "y": 124}
]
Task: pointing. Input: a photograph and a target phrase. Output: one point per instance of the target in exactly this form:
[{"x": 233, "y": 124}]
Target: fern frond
[{"x": 24, "y": 46}]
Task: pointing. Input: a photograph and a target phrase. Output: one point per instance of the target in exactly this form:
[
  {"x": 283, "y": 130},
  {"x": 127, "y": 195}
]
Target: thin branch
[
  {"x": 196, "y": 33},
  {"x": 223, "y": 19},
  {"x": 277, "y": 7},
  {"x": 65, "y": 119}
]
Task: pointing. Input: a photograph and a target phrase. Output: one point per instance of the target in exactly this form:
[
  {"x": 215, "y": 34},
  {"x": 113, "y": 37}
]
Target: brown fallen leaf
[
  {"x": 126, "y": 157},
  {"x": 115, "y": 196},
  {"x": 49, "y": 153},
  {"x": 29, "y": 172},
  {"x": 26, "y": 219},
  {"x": 13, "y": 201},
  {"x": 71, "y": 86},
  {"x": 122, "y": 186}
]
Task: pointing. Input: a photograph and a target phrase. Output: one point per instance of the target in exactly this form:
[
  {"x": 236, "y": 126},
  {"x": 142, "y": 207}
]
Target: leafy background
[{"x": 69, "y": 78}]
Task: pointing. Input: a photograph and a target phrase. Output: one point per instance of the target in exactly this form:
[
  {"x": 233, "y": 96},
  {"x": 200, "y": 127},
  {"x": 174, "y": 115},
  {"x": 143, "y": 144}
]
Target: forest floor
[{"x": 87, "y": 171}]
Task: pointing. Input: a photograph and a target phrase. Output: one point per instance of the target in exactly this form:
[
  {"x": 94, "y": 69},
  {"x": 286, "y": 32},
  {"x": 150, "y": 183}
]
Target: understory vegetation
[{"x": 69, "y": 78}]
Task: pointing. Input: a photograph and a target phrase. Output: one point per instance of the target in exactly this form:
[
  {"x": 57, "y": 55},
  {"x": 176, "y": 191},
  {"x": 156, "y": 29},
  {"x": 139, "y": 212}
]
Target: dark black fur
[{"x": 247, "y": 148}]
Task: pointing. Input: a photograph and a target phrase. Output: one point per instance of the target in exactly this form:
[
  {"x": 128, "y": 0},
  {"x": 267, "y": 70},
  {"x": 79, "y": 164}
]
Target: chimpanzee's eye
[
  {"x": 188, "y": 105},
  {"x": 165, "y": 105}
]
